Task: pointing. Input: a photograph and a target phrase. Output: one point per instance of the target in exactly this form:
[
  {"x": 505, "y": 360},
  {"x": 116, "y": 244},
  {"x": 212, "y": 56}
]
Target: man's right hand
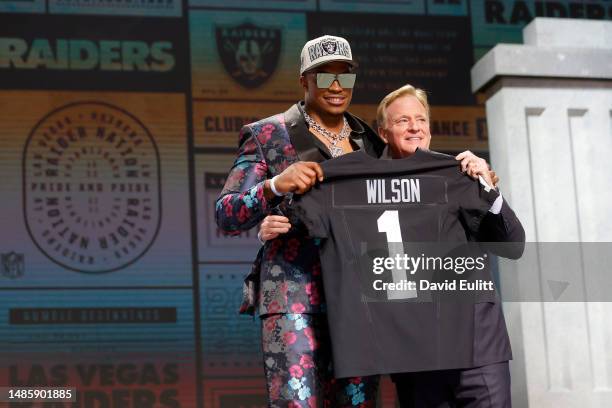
[{"x": 297, "y": 178}]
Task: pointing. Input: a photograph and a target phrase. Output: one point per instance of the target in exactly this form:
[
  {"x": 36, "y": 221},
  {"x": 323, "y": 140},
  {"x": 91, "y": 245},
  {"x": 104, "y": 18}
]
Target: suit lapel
[
  {"x": 310, "y": 148},
  {"x": 307, "y": 147}
]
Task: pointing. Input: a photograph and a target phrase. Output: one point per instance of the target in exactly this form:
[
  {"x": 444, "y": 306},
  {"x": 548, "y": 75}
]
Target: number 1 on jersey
[{"x": 389, "y": 223}]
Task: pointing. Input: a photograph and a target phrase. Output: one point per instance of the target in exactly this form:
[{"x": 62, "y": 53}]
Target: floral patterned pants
[{"x": 297, "y": 363}]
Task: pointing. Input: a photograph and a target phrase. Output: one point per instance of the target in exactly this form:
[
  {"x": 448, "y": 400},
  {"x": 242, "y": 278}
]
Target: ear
[
  {"x": 304, "y": 82},
  {"x": 381, "y": 133}
]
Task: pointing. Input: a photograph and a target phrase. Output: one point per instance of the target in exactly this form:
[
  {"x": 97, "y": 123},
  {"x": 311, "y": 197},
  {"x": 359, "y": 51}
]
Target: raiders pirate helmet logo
[
  {"x": 249, "y": 53},
  {"x": 329, "y": 46}
]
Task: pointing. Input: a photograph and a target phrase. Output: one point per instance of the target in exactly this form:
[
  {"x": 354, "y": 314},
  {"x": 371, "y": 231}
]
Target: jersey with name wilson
[{"x": 369, "y": 209}]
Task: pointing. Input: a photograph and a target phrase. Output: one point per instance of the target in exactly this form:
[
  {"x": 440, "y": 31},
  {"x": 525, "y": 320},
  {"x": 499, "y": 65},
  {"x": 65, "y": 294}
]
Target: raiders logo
[
  {"x": 249, "y": 53},
  {"x": 329, "y": 47},
  {"x": 91, "y": 185}
]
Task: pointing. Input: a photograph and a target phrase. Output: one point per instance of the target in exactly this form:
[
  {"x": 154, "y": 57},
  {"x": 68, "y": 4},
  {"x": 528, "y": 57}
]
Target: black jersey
[{"x": 365, "y": 212}]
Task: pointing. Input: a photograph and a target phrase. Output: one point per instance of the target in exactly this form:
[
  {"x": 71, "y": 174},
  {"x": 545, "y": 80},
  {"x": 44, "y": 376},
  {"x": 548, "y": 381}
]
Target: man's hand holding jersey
[
  {"x": 297, "y": 178},
  {"x": 474, "y": 166}
]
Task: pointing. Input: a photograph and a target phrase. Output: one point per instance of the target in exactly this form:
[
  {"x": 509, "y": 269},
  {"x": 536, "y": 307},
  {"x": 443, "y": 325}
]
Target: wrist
[
  {"x": 273, "y": 187},
  {"x": 268, "y": 194},
  {"x": 260, "y": 238}
]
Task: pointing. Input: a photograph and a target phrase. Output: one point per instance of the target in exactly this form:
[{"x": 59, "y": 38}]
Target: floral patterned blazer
[{"x": 288, "y": 267}]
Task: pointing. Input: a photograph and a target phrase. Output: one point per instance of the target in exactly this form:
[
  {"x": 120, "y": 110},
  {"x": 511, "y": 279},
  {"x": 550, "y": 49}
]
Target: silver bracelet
[{"x": 273, "y": 187}]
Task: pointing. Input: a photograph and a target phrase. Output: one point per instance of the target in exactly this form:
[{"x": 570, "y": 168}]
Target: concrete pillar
[{"x": 549, "y": 114}]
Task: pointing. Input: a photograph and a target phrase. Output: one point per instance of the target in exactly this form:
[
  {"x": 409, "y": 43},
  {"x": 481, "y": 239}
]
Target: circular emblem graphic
[{"x": 92, "y": 197}]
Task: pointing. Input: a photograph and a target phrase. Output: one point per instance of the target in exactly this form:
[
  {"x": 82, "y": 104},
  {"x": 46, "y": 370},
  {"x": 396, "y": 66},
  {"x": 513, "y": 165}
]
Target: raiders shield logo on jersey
[{"x": 248, "y": 52}]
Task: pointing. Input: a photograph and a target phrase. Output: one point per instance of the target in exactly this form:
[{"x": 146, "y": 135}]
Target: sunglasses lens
[
  {"x": 324, "y": 79},
  {"x": 347, "y": 80}
]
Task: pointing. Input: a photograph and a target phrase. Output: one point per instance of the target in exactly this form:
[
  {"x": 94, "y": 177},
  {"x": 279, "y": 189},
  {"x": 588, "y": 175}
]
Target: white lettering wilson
[{"x": 391, "y": 191}]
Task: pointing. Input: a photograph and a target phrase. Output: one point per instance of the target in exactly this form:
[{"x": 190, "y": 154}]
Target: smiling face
[
  {"x": 406, "y": 127},
  {"x": 332, "y": 101}
]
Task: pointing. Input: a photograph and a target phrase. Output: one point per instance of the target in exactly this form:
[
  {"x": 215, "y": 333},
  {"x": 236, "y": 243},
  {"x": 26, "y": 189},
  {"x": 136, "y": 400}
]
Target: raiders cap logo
[{"x": 323, "y": 50}]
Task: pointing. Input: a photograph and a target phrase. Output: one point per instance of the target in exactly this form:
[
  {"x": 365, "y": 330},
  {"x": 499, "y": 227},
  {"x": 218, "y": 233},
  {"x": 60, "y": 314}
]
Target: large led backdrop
[{"x": 119, "y": 120}]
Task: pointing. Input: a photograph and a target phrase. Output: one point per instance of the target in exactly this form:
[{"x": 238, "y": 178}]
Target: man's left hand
[{"x": 474, "y": 166}]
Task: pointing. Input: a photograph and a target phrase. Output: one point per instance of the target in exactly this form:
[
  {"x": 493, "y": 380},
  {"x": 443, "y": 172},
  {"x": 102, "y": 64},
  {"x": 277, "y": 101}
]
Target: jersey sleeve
[
  {"x": 475, "y": 201},
  {"x": 311, "y": 209},
  {"x": 503, "y": 233}
]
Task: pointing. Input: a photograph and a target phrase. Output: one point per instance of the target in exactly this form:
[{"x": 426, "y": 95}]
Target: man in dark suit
[{"x": 403, "y": 119}]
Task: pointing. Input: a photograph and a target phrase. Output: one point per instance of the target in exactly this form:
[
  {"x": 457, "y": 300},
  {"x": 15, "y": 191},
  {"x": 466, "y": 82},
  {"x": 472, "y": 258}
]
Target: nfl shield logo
[
  {"x": 248, "y": 52},
  {"x": 12, "y": 265}
]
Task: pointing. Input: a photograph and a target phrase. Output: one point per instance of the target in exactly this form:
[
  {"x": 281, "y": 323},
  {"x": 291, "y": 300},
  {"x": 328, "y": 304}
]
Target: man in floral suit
[{"x": 278, "y": 156}]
